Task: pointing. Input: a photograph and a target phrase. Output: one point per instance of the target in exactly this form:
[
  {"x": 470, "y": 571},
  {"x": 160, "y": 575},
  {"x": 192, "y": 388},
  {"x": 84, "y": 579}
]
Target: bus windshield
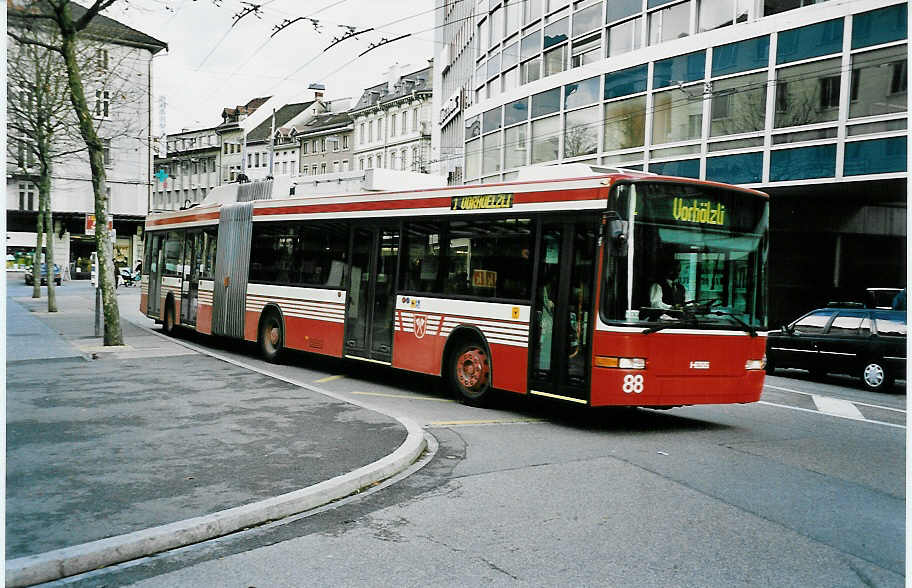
[{"x": 695, "y": 256}]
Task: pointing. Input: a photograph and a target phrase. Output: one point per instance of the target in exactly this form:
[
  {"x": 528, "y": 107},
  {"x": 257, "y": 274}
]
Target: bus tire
[
  {"x": 271, "y": 336},
  {"x": 168, "y": 324},
  {"x": 469, "y": 373}
]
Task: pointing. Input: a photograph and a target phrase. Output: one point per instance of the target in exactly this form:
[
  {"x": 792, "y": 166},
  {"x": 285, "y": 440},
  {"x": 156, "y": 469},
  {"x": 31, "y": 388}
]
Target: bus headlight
[
  {"x": 624, "y": 363},
  {"x": 755, "y": 364}
]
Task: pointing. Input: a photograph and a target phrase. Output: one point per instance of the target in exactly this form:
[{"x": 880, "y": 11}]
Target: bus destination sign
[
  {"x": 703, "y": 212},
  {"x": 483, "y": 202}
]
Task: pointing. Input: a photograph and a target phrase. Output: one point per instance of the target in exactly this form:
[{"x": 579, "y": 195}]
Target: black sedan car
[
  {"x": 30, "y": 278},
  {"x": 866, "y": 342}
]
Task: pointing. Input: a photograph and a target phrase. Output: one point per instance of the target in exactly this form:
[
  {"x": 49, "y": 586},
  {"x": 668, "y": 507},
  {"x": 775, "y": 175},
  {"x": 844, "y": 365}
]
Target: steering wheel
[{"x": 704, "y": 305}]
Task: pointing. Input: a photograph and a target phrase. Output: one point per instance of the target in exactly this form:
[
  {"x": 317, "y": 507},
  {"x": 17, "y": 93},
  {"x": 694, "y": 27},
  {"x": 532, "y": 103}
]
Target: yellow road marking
[
  {"x": 328, "y": 379},
  {"x": 483, "y": 422},
  {"x": 406, "y": 396}
]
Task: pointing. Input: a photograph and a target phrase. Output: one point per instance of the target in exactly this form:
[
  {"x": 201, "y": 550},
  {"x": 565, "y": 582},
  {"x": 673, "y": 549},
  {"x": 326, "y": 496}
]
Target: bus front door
[
  {"x": 371, "y": 294},
  {"x": 154, "y": 268},
  {"x": 562, "y": 318}
]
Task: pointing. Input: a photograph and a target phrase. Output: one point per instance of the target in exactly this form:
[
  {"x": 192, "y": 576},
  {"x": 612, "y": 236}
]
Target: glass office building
[{"x": 805, "y": 100}]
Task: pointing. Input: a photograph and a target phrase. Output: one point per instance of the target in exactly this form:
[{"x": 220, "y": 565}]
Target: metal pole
[
  {"x": 98, "y": 322},
  {"x": 272, "y": 144}
]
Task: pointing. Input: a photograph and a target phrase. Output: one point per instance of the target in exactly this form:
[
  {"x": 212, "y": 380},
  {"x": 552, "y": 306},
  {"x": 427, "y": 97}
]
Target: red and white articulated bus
[{"x": 608, "y": 288}]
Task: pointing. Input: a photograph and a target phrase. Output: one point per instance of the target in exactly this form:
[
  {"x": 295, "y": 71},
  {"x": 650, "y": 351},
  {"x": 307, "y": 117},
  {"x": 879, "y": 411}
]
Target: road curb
[{"x": 69, "y": 561}]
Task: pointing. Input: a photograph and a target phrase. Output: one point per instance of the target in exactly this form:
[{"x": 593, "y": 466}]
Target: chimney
[{"x": 318, "y": 90}]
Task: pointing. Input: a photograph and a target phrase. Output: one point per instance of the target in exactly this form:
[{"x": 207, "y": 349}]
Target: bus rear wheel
[
  {"x": 272, "y": 337},
  {"x": 470, "y": 373},
  {"x": 168, "y": 322}
]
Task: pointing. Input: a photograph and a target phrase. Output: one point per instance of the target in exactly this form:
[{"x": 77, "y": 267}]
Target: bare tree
[
  {"x": 58, "y": 26},
  {"x": 40, "y": 133}
]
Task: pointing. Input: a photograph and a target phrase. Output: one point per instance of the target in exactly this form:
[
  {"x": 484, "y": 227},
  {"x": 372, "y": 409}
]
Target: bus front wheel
[
  {"x": 272, "y": 337},
  {"x": 470, "y": 373}
]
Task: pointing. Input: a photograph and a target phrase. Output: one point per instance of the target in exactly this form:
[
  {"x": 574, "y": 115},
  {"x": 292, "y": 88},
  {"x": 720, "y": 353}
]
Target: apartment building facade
[
  {"x": 804, "y": 100},
  {"x": 118, "y": 90},
  {"x": 392, "y": 123},
  {"x": 188, "y": 171}
]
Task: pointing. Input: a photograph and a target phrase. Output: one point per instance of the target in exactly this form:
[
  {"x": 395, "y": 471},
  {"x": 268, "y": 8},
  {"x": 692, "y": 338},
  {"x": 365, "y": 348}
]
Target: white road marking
[
  {"x": 853, "y": 401},
  {"x": 798, "y": 408},
  {"x": 837, "y": 407}
]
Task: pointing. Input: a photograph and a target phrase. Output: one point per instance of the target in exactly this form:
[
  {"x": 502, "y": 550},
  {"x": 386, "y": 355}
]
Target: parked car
[
  {"x": 869, "y": 343},
  {"x": 30, "y": 280}
]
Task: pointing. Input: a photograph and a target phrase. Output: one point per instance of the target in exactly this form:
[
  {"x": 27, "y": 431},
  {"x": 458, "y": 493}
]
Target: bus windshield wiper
[
  {"x": 747, "y": 327},
  {"x": 689, "y": 322}
]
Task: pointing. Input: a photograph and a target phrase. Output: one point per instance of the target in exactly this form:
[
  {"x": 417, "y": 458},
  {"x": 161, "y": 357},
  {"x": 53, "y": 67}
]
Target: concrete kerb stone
[{"x": 69, "y": 561}]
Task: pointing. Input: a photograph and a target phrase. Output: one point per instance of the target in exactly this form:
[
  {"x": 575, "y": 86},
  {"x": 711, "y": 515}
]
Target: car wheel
[
  {"x": 874, "y": 375},
  {"x": 272, "y": 337},
  {"x": 470, "y": 373}
]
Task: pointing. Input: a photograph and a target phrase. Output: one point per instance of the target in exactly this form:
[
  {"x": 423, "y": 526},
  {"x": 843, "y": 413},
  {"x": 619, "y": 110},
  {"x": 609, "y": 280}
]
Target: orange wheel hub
[{"x": 472, "y": 369}]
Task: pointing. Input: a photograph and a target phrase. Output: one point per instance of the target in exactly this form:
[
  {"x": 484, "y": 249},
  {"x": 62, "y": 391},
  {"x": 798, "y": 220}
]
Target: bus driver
[{"x": 668, "y": 292}]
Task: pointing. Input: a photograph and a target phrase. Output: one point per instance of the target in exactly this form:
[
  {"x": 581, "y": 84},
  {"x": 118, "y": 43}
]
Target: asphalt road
[{"x": 805, "y": 488}]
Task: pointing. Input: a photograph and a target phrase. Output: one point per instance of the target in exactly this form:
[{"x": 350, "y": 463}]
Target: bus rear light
[
  {"x": 755, "y": 364},
  {"x": 624, "y": 363}
]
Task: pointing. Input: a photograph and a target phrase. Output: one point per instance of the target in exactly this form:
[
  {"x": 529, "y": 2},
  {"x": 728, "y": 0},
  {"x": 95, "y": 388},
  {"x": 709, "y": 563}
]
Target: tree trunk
[
  {"x": 44, "y": 194},
  {"x": 113, "y": 335},
  {"x": 36, "y": 263}
]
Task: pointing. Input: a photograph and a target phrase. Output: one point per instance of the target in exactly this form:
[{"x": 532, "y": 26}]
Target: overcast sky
[{"x": 210, "y": 65}]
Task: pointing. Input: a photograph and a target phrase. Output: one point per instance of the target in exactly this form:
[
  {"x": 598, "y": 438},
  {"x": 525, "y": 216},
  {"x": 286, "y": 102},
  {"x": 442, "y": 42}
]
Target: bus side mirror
[{"x": 616, "y": 231}]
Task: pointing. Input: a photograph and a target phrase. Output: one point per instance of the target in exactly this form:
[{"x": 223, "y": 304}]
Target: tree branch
[{"x": 24, "y": 41}]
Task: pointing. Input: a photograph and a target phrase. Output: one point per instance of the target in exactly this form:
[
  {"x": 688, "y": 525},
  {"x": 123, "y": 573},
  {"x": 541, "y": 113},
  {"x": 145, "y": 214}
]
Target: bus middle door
[
  {"x": 190, "y": 274},
  {"x": 562, "y": 310},
  {"x": 371, "y": 294}
]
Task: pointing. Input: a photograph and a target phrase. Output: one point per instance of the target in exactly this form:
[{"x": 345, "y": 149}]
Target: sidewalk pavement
[{"x": 116, "y": 453}]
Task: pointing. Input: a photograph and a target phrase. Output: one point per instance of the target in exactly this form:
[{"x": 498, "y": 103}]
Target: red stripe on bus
[{"x": 183, "y": 219}]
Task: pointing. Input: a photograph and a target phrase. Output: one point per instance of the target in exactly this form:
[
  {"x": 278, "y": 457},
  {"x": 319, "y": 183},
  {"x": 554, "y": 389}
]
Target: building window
[
  {"x": 738, "y": 105},
  {"x": 393, "y": 160},
  {"x": 515, "y": 146},
  {"x": 531, "y": 70},
  {"x": 26, "y": 197},
  {"x": 585, "y": 51},
  {"x": 344, "y": 141},
  {"x": 370, "y": 163},
  {"x": 313, "y": 170},
  {"x": 102, "y": 103},
  {"x": 393, "y": 125},
  {"x": 335, "y": 166},
  {"x": 293, "y": 165},
  {"x": 805, "y": 93},
  {"x": 625, "y": 123},
  {"x": 415, "y": 119},
  {"x": 777, "y": 6},
  {"x": 101, "y": 59},
  {"x": 361, "y": 164},
  {"x": 715, "y": 14},
  {"x": 304, "y": 145},
  {"x": 345, "y": 165},
  {"x": 545, "y": 139},
  {"x": 581, "y": 132},
  {"x": 669, "y": 23},
  {"x": 106, "y": 151},
  {"x": 416, "y": 163},
  {"x": 879, "y": 82},
  {"x": 676, "y": 117},
  {"x": 555, "y": 61},
  {"x": 256, "y": 159}
]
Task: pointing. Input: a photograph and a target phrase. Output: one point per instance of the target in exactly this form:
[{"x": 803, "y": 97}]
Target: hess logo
[{"x": 420, "y": 326}]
